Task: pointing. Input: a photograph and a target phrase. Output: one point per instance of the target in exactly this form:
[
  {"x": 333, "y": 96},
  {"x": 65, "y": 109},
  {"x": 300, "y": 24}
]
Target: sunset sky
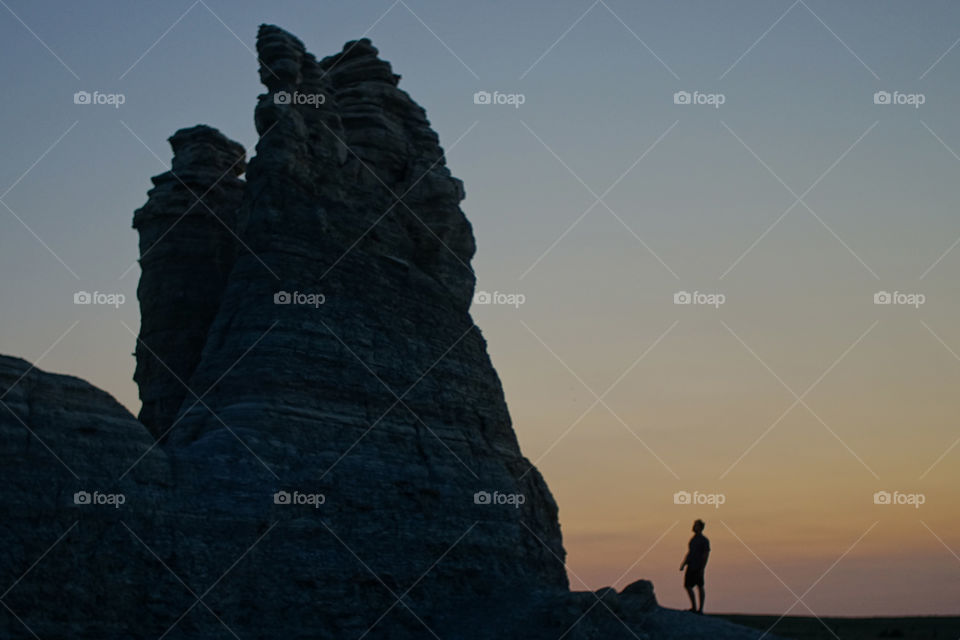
[{"x": 598, "y": 199}]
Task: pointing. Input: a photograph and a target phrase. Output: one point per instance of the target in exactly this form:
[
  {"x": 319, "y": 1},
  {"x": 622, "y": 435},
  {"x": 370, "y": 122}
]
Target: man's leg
[
  {"x": 700, "y": 589},
  {"x": 693, "y": 600}
]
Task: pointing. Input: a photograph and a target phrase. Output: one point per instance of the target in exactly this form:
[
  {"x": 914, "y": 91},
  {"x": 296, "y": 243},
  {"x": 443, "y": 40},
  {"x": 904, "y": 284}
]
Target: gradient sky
[{"x": 703, "y": 399}]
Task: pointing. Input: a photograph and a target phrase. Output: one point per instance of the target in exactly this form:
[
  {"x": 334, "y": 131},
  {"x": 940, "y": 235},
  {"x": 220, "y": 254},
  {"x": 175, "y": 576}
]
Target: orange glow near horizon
[{"x": 797, "y": 478}]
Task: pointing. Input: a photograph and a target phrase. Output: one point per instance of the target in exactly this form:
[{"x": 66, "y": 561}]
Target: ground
[{"x": 808, "y": 628}]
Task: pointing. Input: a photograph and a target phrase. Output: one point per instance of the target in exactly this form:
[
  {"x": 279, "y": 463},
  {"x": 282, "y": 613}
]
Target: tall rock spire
[
  {"x": 352, "y": 361},
  {"x": 187, "y": 250}
]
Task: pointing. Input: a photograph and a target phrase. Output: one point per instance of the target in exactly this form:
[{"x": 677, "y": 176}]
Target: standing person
[{"x": 695, "y": 562}]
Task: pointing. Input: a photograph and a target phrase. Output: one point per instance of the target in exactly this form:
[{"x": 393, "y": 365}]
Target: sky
[{"x": 634, "y": 156}]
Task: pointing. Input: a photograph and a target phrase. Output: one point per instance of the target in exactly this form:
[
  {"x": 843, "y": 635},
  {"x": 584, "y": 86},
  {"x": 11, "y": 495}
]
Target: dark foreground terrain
[{"x": 807, "y": 628}]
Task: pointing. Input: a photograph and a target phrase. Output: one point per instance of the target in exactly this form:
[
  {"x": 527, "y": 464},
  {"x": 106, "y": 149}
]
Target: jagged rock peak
[
  {"x": 341, "y": 132},
  {"x": 360, "y": 60},
  {"x": 205, "y": 147},
  {"x": 281, "y": 55}
]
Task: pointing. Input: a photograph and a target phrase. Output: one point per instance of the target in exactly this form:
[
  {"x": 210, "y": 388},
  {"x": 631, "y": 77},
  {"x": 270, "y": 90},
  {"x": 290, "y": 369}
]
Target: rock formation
[
  {"x": 187, "y": 249},
  {"x": 67, "y": 564},
  {"x": 324, "y": 449}
]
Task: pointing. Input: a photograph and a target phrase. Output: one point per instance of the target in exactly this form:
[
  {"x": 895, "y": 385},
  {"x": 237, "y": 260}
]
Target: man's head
[{"x": 698, "y": 526}]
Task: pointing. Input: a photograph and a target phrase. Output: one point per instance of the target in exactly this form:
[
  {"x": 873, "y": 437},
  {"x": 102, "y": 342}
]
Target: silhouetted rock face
[
  {"x": 75, "y": 464},
  {"x": 382, "y": 397},
  {"x": 187, "y": 250},
  {"x": 355, "y": 165},
  {"x": 329, "y": 452}
]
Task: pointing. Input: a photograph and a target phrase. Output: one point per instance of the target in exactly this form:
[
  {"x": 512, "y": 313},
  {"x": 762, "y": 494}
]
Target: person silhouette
[{"x": 695, "y": 562}]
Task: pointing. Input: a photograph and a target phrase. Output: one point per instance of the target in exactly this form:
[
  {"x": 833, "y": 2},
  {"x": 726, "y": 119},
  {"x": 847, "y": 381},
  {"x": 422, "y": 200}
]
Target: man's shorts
[{"x": 693, "y": 577}]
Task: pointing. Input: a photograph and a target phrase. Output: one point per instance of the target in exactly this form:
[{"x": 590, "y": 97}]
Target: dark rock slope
[{"x": 324, "y": 449}]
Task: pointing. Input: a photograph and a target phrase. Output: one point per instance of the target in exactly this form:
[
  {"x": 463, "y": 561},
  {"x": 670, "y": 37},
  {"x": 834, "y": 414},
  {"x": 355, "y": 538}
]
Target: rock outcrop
[
  {"x": 342, "y": 359},
  {"x": 324, "y": 449},
  {"x": 187, "y": 249},
  {"x": 77, "y": 469}
]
